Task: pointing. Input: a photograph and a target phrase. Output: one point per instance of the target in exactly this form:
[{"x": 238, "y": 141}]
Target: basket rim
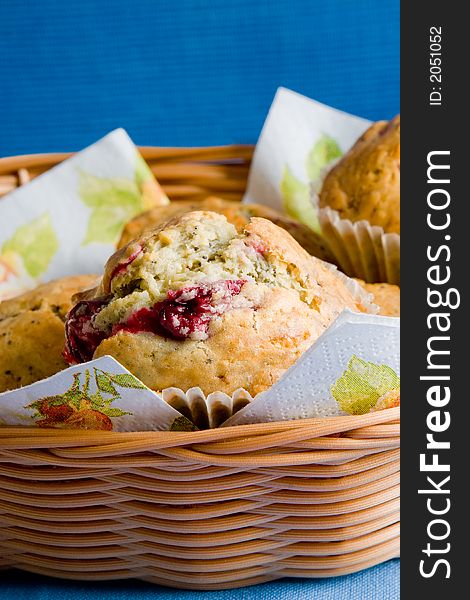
[
  {"x": 19, "y": 437},
  {"x": 25, "y": 161}
]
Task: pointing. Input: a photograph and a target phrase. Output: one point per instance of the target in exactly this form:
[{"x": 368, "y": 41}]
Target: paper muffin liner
[
  {"x": 358, "y": 292},
  {"x": 361, "y": 249},
  {"x": 206, "y": 412}
]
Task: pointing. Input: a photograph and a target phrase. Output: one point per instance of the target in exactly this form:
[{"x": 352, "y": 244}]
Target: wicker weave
[
  {"x": 185, "y": 173},
  {"x": 199, "y": 510}
]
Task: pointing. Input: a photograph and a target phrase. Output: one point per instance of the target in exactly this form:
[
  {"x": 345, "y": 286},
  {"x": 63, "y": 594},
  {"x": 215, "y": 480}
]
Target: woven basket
[{"x": 204, "y": 510}]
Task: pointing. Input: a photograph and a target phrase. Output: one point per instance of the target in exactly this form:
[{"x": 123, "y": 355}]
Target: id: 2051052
[{"x": 435, "y": 68}]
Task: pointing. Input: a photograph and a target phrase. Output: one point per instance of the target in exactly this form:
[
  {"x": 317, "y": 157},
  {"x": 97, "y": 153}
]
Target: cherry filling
[
  {"x": 121, "y": 267},
  {"x": 82, "y": 338},
  {"x": 259, "y": 248},
  {"x": 184, "y": 313}
]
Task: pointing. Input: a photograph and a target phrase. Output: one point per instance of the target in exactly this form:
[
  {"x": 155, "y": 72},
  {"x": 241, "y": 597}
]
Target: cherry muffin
[
  {"x": 32, "y": 331},
  {"x": 365, "y": 184},
  {"x": 196, "y": 303},
  {"x": 237, "y": 213}
]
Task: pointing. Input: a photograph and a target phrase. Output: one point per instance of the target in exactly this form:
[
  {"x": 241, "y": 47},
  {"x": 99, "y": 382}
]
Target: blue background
[
  {"x": 188, "y": 73},
  {"x": 185, "y": 72},
  {"x": 378, "y": 583}
]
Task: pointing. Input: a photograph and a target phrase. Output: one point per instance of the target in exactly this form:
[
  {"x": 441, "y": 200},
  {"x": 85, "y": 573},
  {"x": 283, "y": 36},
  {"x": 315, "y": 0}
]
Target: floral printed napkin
[
  {"x": 300, "y": 138},
  {"x": 99, "y": 395},
  {"x": 68, "y": 220},
  {"x": 350, "y": 367}
]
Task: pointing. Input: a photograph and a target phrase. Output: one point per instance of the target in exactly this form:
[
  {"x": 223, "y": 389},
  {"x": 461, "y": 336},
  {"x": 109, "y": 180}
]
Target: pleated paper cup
[
  {"x": 358, "y": 292},
  {"x": 206, "y": 412},
  {"x": 361, "y": 249}
]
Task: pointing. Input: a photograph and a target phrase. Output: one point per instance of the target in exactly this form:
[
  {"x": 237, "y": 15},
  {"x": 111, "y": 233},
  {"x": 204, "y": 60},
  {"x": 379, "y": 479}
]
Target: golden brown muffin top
[
  {"x": 175, "y": 280},
  {"x": 365, "y": 184},
  {"x": 32, "y": 334},
  {"x": 55, "y": 296},
  {"x": 236, "y": 213}
]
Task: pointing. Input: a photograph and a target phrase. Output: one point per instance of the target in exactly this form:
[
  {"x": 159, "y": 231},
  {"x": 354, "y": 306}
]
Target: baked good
[
  {"x": 386, "y": 296},
  {"x": 194, "y": 303},
  {"x": 32, "y": 331},
  {"x": 365, "y": 184},
  {"x": 237, "y": 213}
]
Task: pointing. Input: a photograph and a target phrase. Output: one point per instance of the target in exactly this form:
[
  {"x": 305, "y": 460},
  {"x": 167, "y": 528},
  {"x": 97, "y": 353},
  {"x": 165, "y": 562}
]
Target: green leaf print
[
  {"x": 115, "y": 200},
  {"x": 296, "y": 194},
  {"x": 105, "y": 224},
  {"x": 362, "y": 384},
  {"x": 113, "y": 203},
  {"x": 36, "y": 243},
  {"x": 114, "y": 412},
  {"x": 127, "y": 381},
  {"x": 296, "y": 200},
  {"x": 323, "y": 152},
  {"x": 104, "y": 383},
  {"x": 142, "y": 172},
  {"x": 77, "y": 407}
]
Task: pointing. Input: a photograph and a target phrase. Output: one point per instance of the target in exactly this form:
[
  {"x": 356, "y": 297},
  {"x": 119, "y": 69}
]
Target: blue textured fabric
[
  {"x": 378, "y": 583},
  {"x": 191, "y": 72},
  {"x": 188, "y": 73}
]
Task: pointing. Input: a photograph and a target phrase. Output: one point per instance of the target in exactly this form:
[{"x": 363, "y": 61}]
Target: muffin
[
  {"x": 195, "y": 303},
  {"x": 386, "y": 296},
  {"x": 237, "y": 213},
  {"x": 32, "y": 331},
  {"x": 365, "y": 184}
]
